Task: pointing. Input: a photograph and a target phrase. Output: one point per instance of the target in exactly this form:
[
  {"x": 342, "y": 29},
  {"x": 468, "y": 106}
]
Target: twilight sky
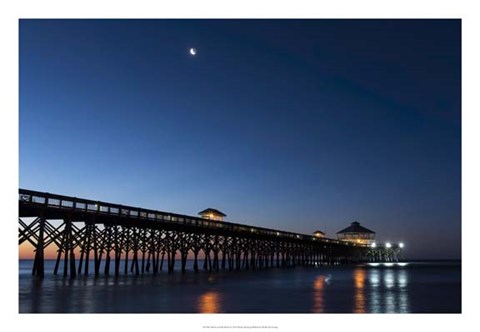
[{"x": 289, "y": 124}]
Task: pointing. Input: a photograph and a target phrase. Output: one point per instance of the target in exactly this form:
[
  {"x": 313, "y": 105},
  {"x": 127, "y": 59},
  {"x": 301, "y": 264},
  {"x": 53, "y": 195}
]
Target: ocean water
[{"x": 410, "y": 287}]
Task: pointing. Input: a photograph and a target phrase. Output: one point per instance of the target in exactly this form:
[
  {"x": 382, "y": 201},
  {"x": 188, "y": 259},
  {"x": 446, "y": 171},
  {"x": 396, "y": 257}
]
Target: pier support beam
[{"x": 38, "y": 265}]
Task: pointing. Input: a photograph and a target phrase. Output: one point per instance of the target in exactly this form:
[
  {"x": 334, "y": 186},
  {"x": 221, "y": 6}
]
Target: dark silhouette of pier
[{"x": 148, "y": 241}]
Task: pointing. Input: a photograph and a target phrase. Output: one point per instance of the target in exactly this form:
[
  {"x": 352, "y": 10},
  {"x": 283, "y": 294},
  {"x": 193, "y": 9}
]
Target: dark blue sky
[{"x": 290, "y": 124}]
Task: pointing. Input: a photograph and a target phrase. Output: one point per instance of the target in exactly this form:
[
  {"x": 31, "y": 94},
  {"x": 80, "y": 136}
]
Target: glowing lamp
[
  {"x": 400, "y": 245},
  {"x": 373, "y": 245},
  {"x": 388, "y": 245}
]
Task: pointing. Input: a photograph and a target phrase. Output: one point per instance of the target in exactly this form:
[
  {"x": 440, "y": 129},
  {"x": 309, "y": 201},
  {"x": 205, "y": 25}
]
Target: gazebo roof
[
  {"x": 212, "y": 211},
  {"x": 356, "y": 228}
]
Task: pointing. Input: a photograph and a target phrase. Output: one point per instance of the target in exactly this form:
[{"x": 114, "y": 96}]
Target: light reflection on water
[
  {"x": 403, "y": 301},
  {"x": 209, "y": 303},
  {"x": 364, "y": 288},
  {"x": 318, "y": 286},
  {"x": 389, "y": 293},
  {"x": 375, "y": 290},
  {"x": 374, "y": 280},
  {"x": 359, "y": 281},
  {"x": 388, "y": 278},
  {"x": 382, "y": 289},
  {"x": 388, "y": 290}
]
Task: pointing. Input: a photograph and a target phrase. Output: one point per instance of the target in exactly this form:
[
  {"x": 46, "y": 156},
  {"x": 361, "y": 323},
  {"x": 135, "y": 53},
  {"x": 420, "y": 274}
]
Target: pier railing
[{"x": 35, "y": 200}]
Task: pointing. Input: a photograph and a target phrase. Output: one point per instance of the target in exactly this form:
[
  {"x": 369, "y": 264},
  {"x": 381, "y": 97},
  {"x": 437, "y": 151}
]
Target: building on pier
[
  {"x": 357, "y": 234},
  {"x": 319, "y": 234},
  {"x": 212, "y": 214}
]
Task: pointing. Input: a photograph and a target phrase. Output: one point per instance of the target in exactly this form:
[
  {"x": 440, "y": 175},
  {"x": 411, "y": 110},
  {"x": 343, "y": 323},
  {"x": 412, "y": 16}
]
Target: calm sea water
[{"x": 415, "y": 287}]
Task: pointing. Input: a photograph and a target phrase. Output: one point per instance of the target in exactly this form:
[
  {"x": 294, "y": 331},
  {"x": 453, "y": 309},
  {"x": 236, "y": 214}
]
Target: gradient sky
[{"x": 289, "y": 124}]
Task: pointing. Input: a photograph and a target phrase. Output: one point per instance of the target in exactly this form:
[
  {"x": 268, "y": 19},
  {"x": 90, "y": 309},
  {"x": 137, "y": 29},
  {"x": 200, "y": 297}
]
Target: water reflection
[
  {"x": 402, "y": 278},
  {"x": 403, "y": 303},
  {"x": 209, "y": 303},
  {"x": 388, "y": 290},
  {"x": 390, "y": 294},
  {"x": 318, "y": 287},
  {"x": 366, "y": 288},
  {"x": 374, "y": 281},
  {"x": 359, "y": 275},
  {"x": 389, "y": 278}
]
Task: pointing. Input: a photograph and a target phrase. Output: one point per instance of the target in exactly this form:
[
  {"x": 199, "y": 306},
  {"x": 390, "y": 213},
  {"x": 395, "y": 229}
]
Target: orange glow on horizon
[{"x": 27, "y": 251}]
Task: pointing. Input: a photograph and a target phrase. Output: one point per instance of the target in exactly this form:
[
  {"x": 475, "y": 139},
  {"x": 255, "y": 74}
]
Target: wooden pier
[{"x": 148, "y": 241}]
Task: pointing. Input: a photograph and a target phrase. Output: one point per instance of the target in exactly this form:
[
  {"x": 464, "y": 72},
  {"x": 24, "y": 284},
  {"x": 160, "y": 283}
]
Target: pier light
[
  {"x": 388, "y": 245},
  {"x": 373, "y": 245},
  {"x": 400, "y": 244},
  {"x": 278, "y": 233}
]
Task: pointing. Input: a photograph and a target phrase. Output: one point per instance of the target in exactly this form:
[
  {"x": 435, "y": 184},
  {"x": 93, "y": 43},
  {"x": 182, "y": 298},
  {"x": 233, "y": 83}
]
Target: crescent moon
[{"x": 193, "y": 51}]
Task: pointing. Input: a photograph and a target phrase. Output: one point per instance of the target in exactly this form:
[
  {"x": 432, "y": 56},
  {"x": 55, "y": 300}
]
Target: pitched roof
[
  {"x": 318, "y": 232},
  {"x": 355, "y": 228},
  {"x": 213, "y": 211}
]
